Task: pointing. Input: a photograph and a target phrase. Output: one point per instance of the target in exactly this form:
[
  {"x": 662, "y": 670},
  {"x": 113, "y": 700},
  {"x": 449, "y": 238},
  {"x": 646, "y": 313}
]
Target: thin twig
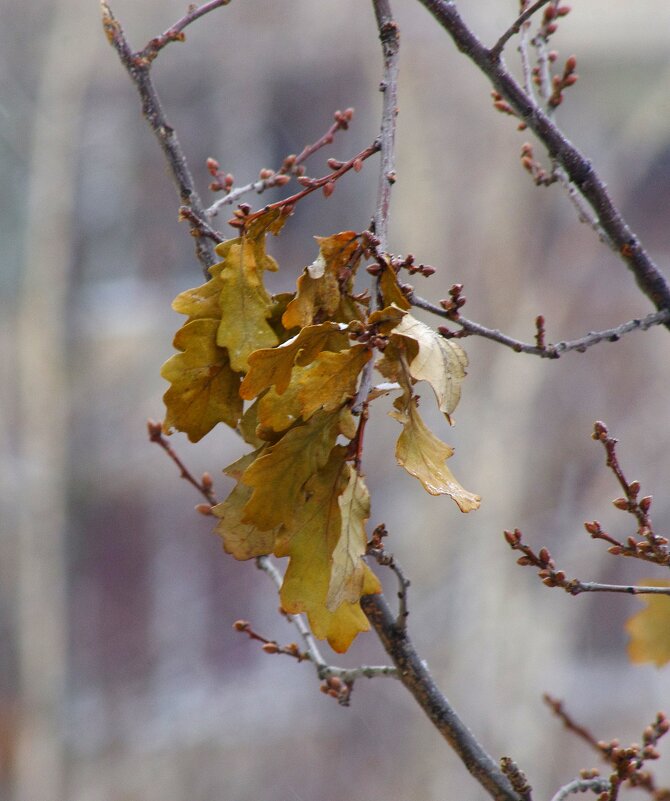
[
  {"x": 388, "y": 560},
  {"x": 648, "y": 276},
  {"x": 175, "y": 32},
  {"x": 582, "y": 786},
  {"x": 497, "y": 48},
  {"x": 290, "y": 165},
  {"x": 204, "y": 487},
  {"x": 548, "y": 351},
  {"x": 139, "y": 71},
  {"x": 414, "y": 674},
  {"x": 576, "y": 587},
  {"x": 312, "y": 184}
]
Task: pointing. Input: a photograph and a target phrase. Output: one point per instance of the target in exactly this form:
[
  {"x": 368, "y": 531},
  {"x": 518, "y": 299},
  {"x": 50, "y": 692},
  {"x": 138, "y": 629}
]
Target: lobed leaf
[
  {"x": 439, "y": 361},
  {"x": 279, "y": 474},
  {"x": 204, "y": 389},
  {"x": 423, "y": 455},
  {"x": 310, "y": 544}
]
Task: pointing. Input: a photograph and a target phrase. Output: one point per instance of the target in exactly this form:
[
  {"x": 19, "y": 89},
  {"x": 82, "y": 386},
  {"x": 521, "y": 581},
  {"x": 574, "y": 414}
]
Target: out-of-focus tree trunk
[{"x": 43, "y": 403}]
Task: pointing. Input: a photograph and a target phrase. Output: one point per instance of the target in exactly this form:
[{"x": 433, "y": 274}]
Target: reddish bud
[
  {"x": 358, "y": 165},
  {"x": 592, "y": 527},
  {"x": 551, "y": 28},
  {"x": 335, "y": 164},
  {"x": 645, "y": 503},
  {"x": 552, "y": 56},
  {"x": 570, "y": 80},
  {"x": 204, "y": 509},
  {"x": 428, "y": 271},
  {"x": 270, "y": 647},
  {"x": 620, "y": 503},
  {"x": 544, "y": 555},
  {"x": 265, "y": 173},
  {"x": 328, "y": 188},
  {"x": 212, "y": 166},
  {"x": 563, "y": 11},
  {"x": 615, "y": 550},
  {"x": 571, "y": 64},
  {"x": 241, "y": 625},
  {"x": 633, "y": 488}
]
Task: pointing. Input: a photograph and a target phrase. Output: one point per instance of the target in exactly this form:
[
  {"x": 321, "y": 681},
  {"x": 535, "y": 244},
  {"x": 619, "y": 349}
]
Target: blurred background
[{"x": 121, "y": 678}]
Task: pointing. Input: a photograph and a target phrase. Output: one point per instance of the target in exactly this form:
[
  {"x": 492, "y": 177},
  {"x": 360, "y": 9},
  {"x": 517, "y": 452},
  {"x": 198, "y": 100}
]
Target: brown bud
[
  {"x": 563, "y": 11},
  {"x": 645, "y": 503},
  {"x": 551, "y": 28},
  {"x": 620, "y": 503},
  {"x": 428, "y": 271},
  {"x": 206, "y": 481},
  {"x": 335, "y": 164},
  {"x": 524, "y": 561},
  {"x": 334, "y": 682},
  {"x": 633, "y": 488},
  {"x": 204, "y": 509},
  {"x": 593, "y": 527},
  {"x": 328, "y": 188},
  {"x": 281, "y": 180},
  {"x": 241, "y": 625},
  {"x": 358, "y": 165},
  {"x": 570, "y": 80},
  {"x": 615, "y": 550},
  {"x": 270, "y": 647},
  {"x": 212, "y": 165},
  {"x": 571, "y": 64},
  {"x": 552, "y": 56},
  {"x": 545, "y": 556}
]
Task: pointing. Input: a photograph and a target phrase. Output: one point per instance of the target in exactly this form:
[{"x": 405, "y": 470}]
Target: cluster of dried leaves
[{"x": 303, "y": 363}]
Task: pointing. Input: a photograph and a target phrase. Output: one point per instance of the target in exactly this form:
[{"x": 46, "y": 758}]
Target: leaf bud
[
  {"x": 513, "y": 537},
  {"x": 206, "y": 481},
  {"x": 265, "y": 173},
  {"x": 571, "y": 64},
  {"x": 241, "y": 625},
  {"x": 552, "y": 56},
  {"x": 270, "y": 647},
  {"x": 559, "y": 576},
  {"x": 281, "y": 180},
  {"x": 549, "y": 13},
  {"x": 155, "y": 429},
  {"x": 563, "y": 11},
  {"x": 334, "y": 682},
  {"x": 204, "y": 509},
  {"x": 524, "y": 561},
  {"x": 615, "y": 550},
  {"x": 328, "y": 188},
  {"x": 645, "y": 503},
  {"x": 335, "y": 164},
  {"x": 304, "y": 181},
  {"x": 570, "y": 80},
  {"x": 289, "y": 161},
  {"x": 620, "y": 503},
  {"x": 551, "y": 28},
  {"x": 544, "y": 554},
  {"x": 549, "y": 582},
  {"x": 428, "y": 271},
  {"x": 212, "y": 166},
  {"x": 358, "y": 165},
  {"x": 593, "y": 527},
  {"x": 633, "y": 488}
]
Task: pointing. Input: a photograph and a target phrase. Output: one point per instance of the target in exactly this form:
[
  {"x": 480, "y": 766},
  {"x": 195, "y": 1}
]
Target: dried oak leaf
[
  {"x": 432, "y": 358},
  {"x": 204, "y": 389},
  {"x": 281, "y": 471},
  {"x": 311, "y": 543},
  {"x": 423, "y": 455},
  {"x": 649, "y": 629}
]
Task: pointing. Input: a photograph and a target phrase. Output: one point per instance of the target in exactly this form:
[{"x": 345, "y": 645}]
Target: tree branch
[
  {"x": 497, "y": 48},
  {"x": 546, "y": 351},
  {"x": 414, "y": 674},
  {"x": 581, "y": 786},
  {"x": 138, "y": 68},
  {"x": 649, "y": 278},
  {"x": 175, "y": 32}
]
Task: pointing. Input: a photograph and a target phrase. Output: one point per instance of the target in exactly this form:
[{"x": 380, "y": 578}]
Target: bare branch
[
  {"x": 497, "y": 48},
  {"x": 175, "y": 32},
  {"x": 289, "y": 167},
  {"x": 580, "y": 345},
  {"x": 390, "y": 39},
  {"x": 138, "y": 69},
  {"x": 582, "y": 786},
  {"x": 414, "y": 674},
  {"x": 649, "y": 277}
]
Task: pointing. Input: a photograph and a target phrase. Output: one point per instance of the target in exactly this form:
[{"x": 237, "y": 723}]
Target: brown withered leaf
[
  {"x": 649, "y": 629},
  {"x": 241, "y": 540},
  {"x": 331, "y": 379},
  {"x": 246, "y": 306},
  {"x": 423, "y": 455},
  {"x": 439, "y": 361},
  {"x": 279, "y": 474},
  {"x": 319, "y": 287},
  {"x": 348, "y": 570},
  {"x": 389, "y": 287},
  {"x": 272, "y": 366},
  {"x": 204, "y": 389},
  {"x": 203, "y": 301},
  {"x": 310, "y": 544}
]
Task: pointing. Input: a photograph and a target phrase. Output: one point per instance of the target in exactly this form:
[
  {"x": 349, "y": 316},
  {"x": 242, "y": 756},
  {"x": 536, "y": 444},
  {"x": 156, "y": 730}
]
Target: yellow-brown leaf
[
  {"x": 649, "y": 629},
  {"x": 205, "y": 390},
  {"x": 439, "y": 361},
  {"x": 278, "y": 476},
  {"x": 331, "y": 379},
  {"x": 310, "y": 545},
  {"x": 272, "y": 366},
  {"x": 423, "y": 455}
]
